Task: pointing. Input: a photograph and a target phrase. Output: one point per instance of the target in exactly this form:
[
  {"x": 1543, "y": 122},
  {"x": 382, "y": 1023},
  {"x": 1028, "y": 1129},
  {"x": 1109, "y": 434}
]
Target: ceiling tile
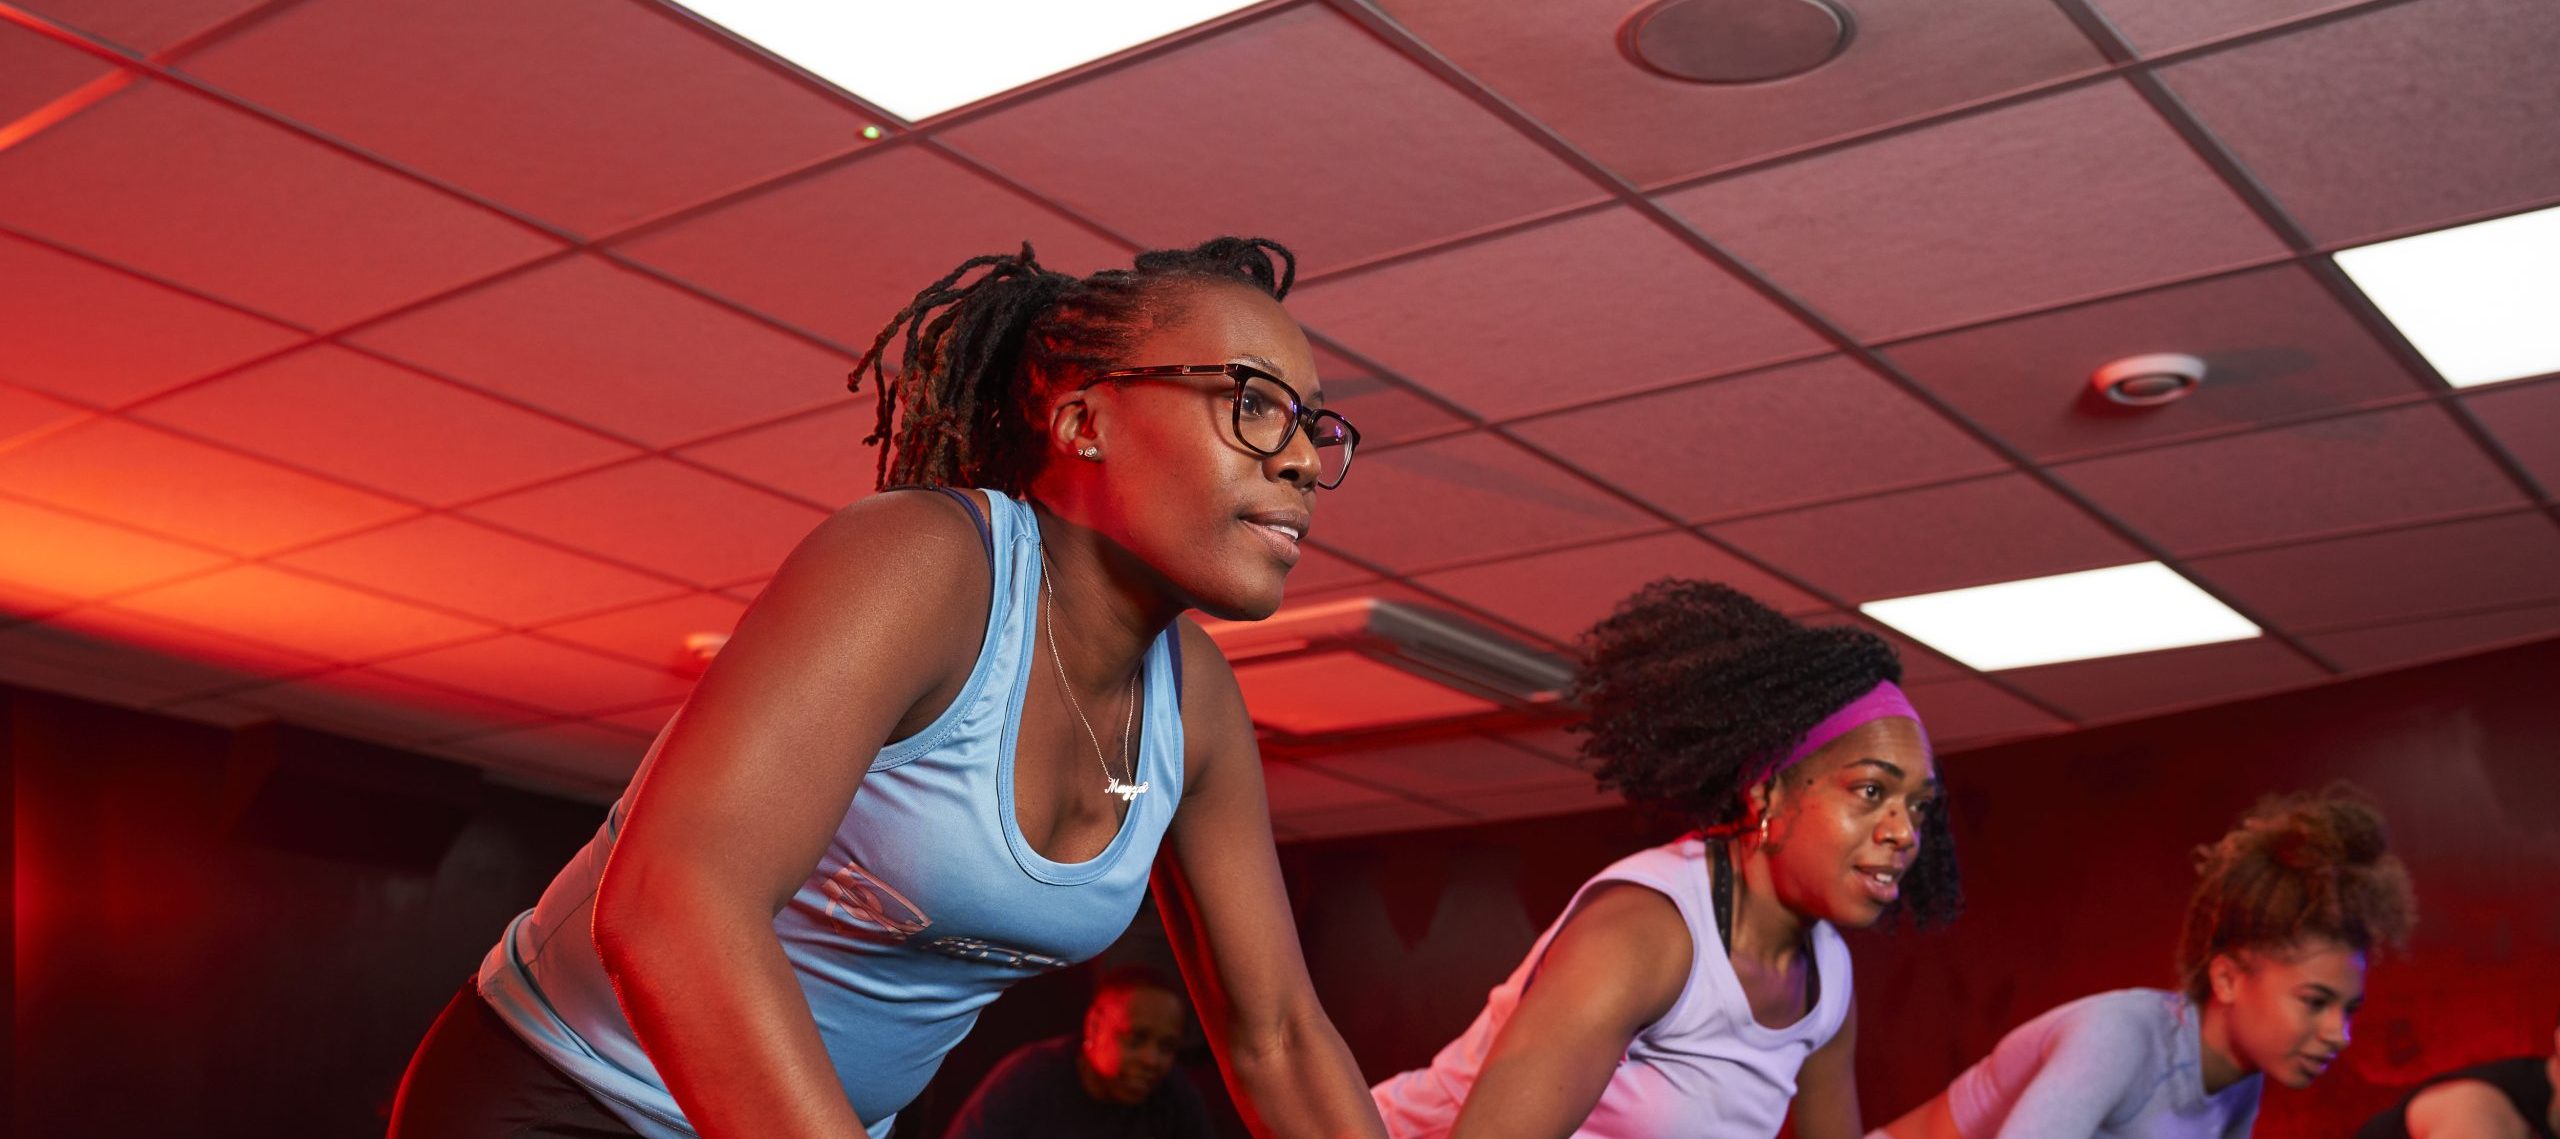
[
  {"x": 26, "y": 602},
  {"x": 2418, "y": 572},
  {"x": 2275, "y": 344},
  {"x": 1298, "y": 126},
  {"x": 160, "y": 676},
  {"x": 327, "y": 409},
  {"x": 2114, "y": 688},
  {"x": 649, "y": 720},
  {"x": 2404, "y": 465},
  {"x": 1784, "y": 437},
  {"x": 529, "y": 670},
  {"x": 372, "y": 705},
  {"x": 1540, "y": 802},
  {"x": 269, "y": 219},
  {"x": 1963, "y": 712},
  {"x": 1478, "y": 324},
  {"x": 662, "y": 516},
  {"x": 303, "y": 614},
  {"x": 23, "y": 413},
  {"x": 841, "y": 251},
  {"x": 653, "y": 633},
  {"x": 1466, "y": 497},
  {"x": 36, "y": 70},
  {"x": 1923, "y": 541},
  {"x": 2411, "y": 642},
  {"x": 469, "y": 568},
  {"x": 183, "y": 489},
  {"x": 1920, "y": 663},
  {"x": 1317, "y": 569},
  {"x": 79, "y": 329},
  {"x": 609, "y": 346},
  {"x": 143, "y": 25},
  {"x": 1385, "y": 413},
  {"x": 819, "y": 457},
  {"x": 28, "y": 659},
  {"x": 187, "y": 642},
  {"x": 1444, "y": 768},
  {"x": 1296, "y": 789},
  {"x": 2156, "y": 26},
  {"x": 2407, "y": 117},
  {"x": 1561, "y": 61},
  {"x": 562, "y": 109},
  {"x": 74, "y": 557},
  {"x": 1391, "y": 817},
  {"x": 1563, "y": 594},
  {"x": 2526, "y": 421},
  {"x": 2070, "y": 196}
]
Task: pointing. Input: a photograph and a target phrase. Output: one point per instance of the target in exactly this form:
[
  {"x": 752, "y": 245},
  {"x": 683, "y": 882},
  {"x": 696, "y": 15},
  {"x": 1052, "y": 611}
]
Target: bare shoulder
[
  {"x": 1627, "y": 936},
  {"x": 2465, "y": 1109},
  {"x": 1214, "y": 720}
]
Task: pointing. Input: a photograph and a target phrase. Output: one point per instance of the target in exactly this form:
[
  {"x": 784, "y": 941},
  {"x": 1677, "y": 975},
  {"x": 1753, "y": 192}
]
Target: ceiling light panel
[
  {"x": 2135, "y": 608},
  {"x": 2475, "y": 300},
  {"x": 919, "y": 60}
]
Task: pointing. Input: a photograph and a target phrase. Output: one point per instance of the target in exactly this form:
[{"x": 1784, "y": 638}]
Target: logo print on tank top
[
  {"x": 972, "y": 949},
  {"x": 869, "y": 908}
]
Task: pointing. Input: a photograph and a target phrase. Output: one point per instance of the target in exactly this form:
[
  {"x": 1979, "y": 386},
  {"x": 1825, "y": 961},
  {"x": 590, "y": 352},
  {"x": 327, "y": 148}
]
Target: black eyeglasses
[{"x": 1267, "y": 415}]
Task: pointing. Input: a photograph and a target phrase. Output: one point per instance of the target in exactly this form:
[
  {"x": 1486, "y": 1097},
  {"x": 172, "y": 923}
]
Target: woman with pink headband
[{"x": 1693, "y": 988}]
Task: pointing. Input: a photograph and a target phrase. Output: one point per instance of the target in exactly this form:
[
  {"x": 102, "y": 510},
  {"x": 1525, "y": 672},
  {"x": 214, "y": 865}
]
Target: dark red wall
[{"x": 2077, "y": 865}]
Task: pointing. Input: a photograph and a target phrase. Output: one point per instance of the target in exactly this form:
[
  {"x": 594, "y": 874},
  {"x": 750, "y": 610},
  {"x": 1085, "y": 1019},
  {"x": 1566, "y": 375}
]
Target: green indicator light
[{"x": 871, "y": 132}]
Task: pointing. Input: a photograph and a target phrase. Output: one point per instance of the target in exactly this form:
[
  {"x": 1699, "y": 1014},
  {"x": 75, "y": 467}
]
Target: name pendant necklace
[{"x": 1127, "y": 789}]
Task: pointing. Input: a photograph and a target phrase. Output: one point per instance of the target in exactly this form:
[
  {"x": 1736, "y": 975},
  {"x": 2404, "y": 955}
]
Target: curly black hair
[
  {"x": 1692, "y": 686},
  {"x": 964, "y": 406},
  {"x": 2297, "y": 866}
]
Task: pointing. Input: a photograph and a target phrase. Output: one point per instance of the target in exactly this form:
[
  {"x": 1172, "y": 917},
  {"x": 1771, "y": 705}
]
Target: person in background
[
  {"x": 2502, "y": 1099},
  {"x": 1107, "y": 1083}
]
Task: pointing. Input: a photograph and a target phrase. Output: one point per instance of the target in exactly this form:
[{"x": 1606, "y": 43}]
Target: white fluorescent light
[
  {"x": 2138, "y": 608},
  {"x": 919, "y": 59},
  {"x": 2481, "y": 302}
]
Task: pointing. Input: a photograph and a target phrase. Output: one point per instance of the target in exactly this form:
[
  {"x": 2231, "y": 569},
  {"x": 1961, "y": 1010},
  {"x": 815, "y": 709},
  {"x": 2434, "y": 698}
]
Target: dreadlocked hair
[
  {"x": 1692, "y": 686},
  {"x": 979, "y": 356},
  {"x": 2297, "y": 867}
]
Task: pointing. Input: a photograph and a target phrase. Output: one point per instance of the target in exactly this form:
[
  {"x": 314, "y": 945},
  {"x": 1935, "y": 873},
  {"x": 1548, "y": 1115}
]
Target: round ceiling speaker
[
  {"x": 2148, "y": 381},
  {"x": 1736, "y": 41}
]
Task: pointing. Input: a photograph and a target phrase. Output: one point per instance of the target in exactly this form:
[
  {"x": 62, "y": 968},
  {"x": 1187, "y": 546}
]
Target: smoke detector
[
  {"x": 2148, "y": 381},
  {"x": 1736, "y": 41}
]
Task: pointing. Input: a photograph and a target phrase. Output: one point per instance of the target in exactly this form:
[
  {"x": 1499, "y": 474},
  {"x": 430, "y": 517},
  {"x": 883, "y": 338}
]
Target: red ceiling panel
[
  {"x": 23, "y": 413},
  {"x": 1374, "y": 818},
  {"x": 79, "y": 329},
  {"x": 165, "y": 638},
  {"x": 1784, "y": 437},
  {"x": 2403, "y": 118},
  {"x": 840, "y": 252},
  {"x": 469, "y": 568},
  {"x": 74, "y": 557},
  {"x": 1299, "y": 127},
  {"x": 612, "y": 347},
  {"x": 1976, "y": 711},
  {"x": 1561, "y": 61},
  {"x": 819, "y": 457},
  {"x": 1478, "y": 324},
  {"x": 1920, "y": 664},
  {"x": 1921, "y": 541},
  {"x": 372, "y": 705},
  {"x": 2275, "y": 345},
  {"x": 1317, "y": 569},
  {"x": 662, "y": 516},
  {"x": 2156, "y": 26},
  {"x": 2412, "y": 642},
  {"x": 562, "y": 109},
  {"x": 2404, "y": 465},
  {"x": 1562, "y": 594},
  {"x": 19, "y": 601},
  {"x": 167, "y": 485},
  {"x": 651, "y": 634},
  {"x": 1441, "y": 769},
  {"x": 1296, "y": 788},
  {"x": 2073, "y": 195},
  {"x": 2526, "y": 421},
  {"x": 35, "y": 70},
  {"x": 529, "y": 670},
  {"x": 300, "y": 613},
  {"x": 342, "y": 413},
  {"x": 1534, "y": 803},
  {"x": 2115, "y": 688},
  {"x": 2417, "y": 572},
  {"x": 649, "y": 720},
  {"x": 143, "y": 25},
  {"x": 269, "y": 219},
  {"x": 1471, "y": 496},
  {"x": 1384, "y": 413},
  {"x": 48, "y": 656}
]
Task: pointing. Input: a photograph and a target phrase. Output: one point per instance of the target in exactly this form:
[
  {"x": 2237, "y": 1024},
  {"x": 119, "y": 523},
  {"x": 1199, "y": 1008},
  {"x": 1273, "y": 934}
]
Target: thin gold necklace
[{"x": 1126, "y": 789}]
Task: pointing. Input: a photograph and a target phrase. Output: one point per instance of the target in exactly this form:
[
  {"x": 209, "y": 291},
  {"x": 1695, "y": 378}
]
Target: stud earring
[{"x": 1090, "y": 454}]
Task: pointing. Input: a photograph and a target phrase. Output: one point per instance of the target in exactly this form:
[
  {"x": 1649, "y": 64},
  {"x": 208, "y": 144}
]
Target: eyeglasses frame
[{"x": 1300, "y": 415}]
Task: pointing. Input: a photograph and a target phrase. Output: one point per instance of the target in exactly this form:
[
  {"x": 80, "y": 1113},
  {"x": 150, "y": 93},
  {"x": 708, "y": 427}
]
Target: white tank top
[{"x": 1706, "y": 1069}]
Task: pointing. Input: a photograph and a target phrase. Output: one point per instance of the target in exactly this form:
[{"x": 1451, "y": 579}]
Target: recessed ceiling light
[
  {"x": 917, "y": 60},
  {"x": 2476, "y": 300},
  {"x": 2073, "y": 616}
]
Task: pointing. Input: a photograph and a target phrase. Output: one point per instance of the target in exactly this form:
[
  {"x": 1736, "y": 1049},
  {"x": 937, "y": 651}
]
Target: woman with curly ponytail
[
  {"x": 2292, "y": 903},
  {"x": 1697, "y": 988},
  {"x": 943, "y": 749}
]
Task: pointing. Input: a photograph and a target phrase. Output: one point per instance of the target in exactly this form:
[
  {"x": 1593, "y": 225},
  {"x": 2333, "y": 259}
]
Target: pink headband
[{"x": 1879, "y": 702}]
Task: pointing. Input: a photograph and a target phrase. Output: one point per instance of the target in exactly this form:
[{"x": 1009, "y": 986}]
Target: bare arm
[
  {"x": 2464, "y": 1109},
  {"x": 1227, "y": 913},
  {"x": 849, "y": 640},
  {"x": 1618, "y": 965},
  {"x": 1826, "y": 1105}
]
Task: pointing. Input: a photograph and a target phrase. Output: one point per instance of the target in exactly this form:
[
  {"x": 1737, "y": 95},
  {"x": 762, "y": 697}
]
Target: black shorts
[{"x": 474, "y": 1078}]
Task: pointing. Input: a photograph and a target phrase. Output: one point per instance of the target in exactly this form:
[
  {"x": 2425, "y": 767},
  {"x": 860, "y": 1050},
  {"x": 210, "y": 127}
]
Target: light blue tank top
[{"x": 927, "y": 904}]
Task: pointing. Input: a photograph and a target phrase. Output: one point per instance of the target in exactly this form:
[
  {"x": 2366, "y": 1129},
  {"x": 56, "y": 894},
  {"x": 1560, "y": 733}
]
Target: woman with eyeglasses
[
  {"x": 1701, "y": 988},
  {"x": 941, "y": 751}
]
